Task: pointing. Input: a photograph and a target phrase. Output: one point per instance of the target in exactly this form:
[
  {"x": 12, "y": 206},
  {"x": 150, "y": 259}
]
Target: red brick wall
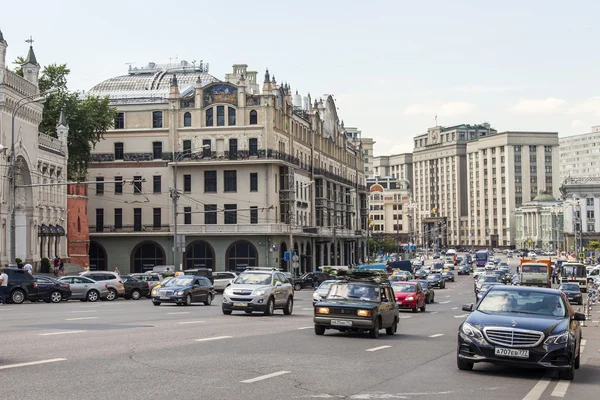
[{"x": 77, "y": 224}]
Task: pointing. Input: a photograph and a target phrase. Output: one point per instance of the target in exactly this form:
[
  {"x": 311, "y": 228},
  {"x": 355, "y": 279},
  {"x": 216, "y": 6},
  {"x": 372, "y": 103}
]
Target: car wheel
[
  {"x": 136, "y": 294},
  {"x": 374, "y": 333},
  {"x": 423, "y": 308},
  {"x": 209, "y": 300},
  {"x": 289, "y": 306},
  {"x": 112, "y": 295},
  {"x": 392, "y": 329},
  {"x": 567, "y": 374},
  {"x": 188, "y": 300},
  {"x": 270, "y": 309},
  {"x": 56, "y": 297},
  {"x": 432, "y": 299},
  {"x": 17, "y": 296},
  {"x": 577, "y": 363},
  {"x": 414, "y": 309},
  {"x": 319, "y": 330},
  {"x": 156, "y": 303},
  {"x": 226, "y": 312},
  {"x": 297, "y": 286},
  {"x": 92, "y": 295},
  {"x": 464, "y": 365}
]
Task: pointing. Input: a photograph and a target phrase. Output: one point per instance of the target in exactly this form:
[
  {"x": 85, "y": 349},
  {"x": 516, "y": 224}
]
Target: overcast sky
[{"x": 391, "y": 65}]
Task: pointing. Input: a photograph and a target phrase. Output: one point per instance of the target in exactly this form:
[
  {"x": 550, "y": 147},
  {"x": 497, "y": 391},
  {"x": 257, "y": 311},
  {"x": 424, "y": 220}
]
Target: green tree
[
  {"x": 19, "y": 62},
  {"x": 594, "y": 245}
]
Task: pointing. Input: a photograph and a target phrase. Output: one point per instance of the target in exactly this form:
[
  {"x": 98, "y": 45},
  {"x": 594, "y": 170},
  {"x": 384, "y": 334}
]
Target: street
[{"x": 134, "y": 350}]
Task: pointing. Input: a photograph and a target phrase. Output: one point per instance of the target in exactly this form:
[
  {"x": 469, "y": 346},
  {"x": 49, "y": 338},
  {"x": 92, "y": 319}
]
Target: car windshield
[
  {"x": 489, "y": 278},
  {"x": 486, "y": 286},
  {"x": 406, "y": 288},
  {"x": 522, "y": 301},
  {"x": 354, "y": 291},
  {"x": 324, "y": 287},
  {"x": 424, "y": 285},
  {"x": 434, "y": 276},
  {"x": 569, "y": 286},
  {"x": 253, "y": 278},
  {"x": 179, "y": 281}
]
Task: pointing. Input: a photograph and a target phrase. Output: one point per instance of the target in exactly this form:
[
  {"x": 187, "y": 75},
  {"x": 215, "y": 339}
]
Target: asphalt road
[{"x": 134, "y": 350}]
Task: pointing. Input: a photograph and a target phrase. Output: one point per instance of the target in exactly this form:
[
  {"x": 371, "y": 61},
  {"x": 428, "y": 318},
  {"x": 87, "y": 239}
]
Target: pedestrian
[
  {"x": 61, "y": 267},
  {"x": 28, "y": 268},
  {"x": 117, "y": 271},
  {"x": 56, "y": 262},
  {"x": 3, "y": 286}
]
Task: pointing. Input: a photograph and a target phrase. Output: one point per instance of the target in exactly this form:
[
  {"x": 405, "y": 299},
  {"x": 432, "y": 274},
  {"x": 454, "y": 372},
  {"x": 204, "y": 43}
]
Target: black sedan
[
  {"x": 135, "y": 288},
  {"x": 421, "y": 274},
  {"x": 436, "y": 280},
  {"x": 521, "y": 327},
  {"x": 185, "y": 289},
  {"x": 464, "y": 270},
  {"x": 429, "y": 292},
  {"x": 448, "y": 276},
  {"x": 572, "y": 291},
  {"x": 50, "y": 290}
]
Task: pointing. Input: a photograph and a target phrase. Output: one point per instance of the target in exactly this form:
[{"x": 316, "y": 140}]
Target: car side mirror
[
  {"x": 278, "y": 284},
  {"x": 579, "y": 317},
  {"x": 196, "y": 286},
  {"x": 467, "y": 307}
]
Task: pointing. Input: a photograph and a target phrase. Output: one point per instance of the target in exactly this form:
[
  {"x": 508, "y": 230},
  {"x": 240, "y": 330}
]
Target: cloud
[
  {"x": 488, "y": 89},
  {"x": 448, "y": 109},
  {"x": 577, "y": 123},
  {"x": 537, "y": 106},
  {"x": 589, "y": 106}
]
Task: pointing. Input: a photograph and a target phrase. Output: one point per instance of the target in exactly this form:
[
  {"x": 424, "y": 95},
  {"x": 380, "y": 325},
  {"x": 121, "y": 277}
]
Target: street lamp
[{"x": 13, "y": 187}]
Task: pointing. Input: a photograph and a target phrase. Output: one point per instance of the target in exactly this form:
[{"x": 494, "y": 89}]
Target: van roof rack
[{"x": 373, "y": 276}]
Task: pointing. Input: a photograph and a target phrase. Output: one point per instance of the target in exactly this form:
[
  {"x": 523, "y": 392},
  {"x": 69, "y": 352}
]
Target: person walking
[
  {"x": 3, "y": 286},
  {"x": 117, "y": 270},
  {"x": 28, "y": 268},
  {"x": 61, "y": 267}
]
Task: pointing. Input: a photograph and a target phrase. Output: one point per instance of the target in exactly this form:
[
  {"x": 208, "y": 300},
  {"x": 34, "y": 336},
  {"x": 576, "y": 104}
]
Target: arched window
[
  {"x": 97, "y": 257},
  {"x": 187, "y": 119},
  {"x": 241, "y": 254},
  {"x": 209, "y": 117},
  {"x": 253, "y": 117},
  {"x": 146, "y": 256},
  {"x": 199, "y": 254}
]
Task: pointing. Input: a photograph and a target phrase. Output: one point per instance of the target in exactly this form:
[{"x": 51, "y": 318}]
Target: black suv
[
  {"x": 21, "y": 285},
  {"x": 359, "y": 301},
  {"x": 308, "y": 280}
]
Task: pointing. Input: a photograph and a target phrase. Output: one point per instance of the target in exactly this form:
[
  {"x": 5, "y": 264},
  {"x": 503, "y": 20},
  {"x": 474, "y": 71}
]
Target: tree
[
  {"x": 88, "y": 116},
  {"x": 19, "y": 62}
]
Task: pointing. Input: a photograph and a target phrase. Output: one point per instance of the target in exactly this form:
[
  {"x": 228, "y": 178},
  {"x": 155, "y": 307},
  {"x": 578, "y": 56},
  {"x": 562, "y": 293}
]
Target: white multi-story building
[
  {"x": 398, "y": 166},
  {"x": 580, "y": 155},
  {"x": 258, "y": 172},
  {"x": 539, "y": 224},
  {"x": 40, "y": 211},
  {"x": 581, "y": 204},
  {"x": 355, "y": 136},
  {"x": 390, "y": 213}
]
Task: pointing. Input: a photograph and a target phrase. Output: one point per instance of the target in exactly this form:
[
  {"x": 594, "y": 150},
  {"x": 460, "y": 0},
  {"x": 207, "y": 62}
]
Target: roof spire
[
  {"x": 62, "y": 121},
  {"x": 31, "y": 55},
  {"x": 1, "y": 37},
  {"x": 174, "y": 80},
  {"x": 267, "y": 77}
]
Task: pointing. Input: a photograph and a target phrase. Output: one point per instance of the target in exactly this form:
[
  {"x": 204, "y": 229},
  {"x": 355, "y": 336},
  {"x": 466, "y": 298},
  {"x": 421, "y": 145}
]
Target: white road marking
[
  {"x": 461, "y": 316},
  {"x": 445, "y": 302},
  {"x": 539, "y": 388},
  {"x": 583, "y": 342},
  {"x": 307, "y": 309},
  {"x": 32, "y": 363},
  {"x": 447, "y": 296},
  {"x": 80, "y": 318},
  {"x": 84, "y": 311},
  {"x": 454, "y": 308},
  {"x": 177, "y": 313},
  {"x": 189, "y": 322},
  {"x": 5, "y": 309},
  {"x": 436, "y": 335},
  {"x": 213, "y": 338},
  {"x": 306, "y": 327},
  {"x": 560, "y": 389},
  {"x": 97, "y": 305},
  {"x": 263, "y": 377},
  {"x": 433, "y": 312},
  {"x": 60, "y": 333},
  {"x": 378, "y": 348},
  {"x": 406, "y": 316}
]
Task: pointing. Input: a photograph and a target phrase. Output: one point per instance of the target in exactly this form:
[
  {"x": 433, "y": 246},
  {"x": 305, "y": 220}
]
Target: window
[
  {"x": 231, "y": 116},
  {"x": 517, "y": 149},
  {"x": 233, "y": 148},
  {"x": 532, "y": 159},
  {"x": 253, "y": 117},
  {"x": 118, "y": 185},
  {"x": 230, "y": 181},
  {"x": 548, "y": 159},
  {"x": 157, "y": 184},
  {"x": 210, "y": 214},
  {"x": 533, "y": 179},
  {"x": 157, "y": 150},
  {"x": 209, "y": 117},
  {"x": 99, "y": 219},
  {"x": 118, "y": 151},
  {"x": 206, "y": 152},
  {"x": 99, "y": 185},
  {"x": 548, "y": 149},
  {"x": 532, "y": 149},
  {"x": 137, "y": 184},
  {"x": 187, "y": 146},
  {"x": 254, "y": 215},
  {"x": 187, "y": 119},
  {"x": 210, "y": 181},
  {"x": 230, "y": 213},
  {"x": 517, "y": 158},
  {"x": 118, "y": 218},
  {"x": 187, "y": 215},
  {"x": 187, "y": 183},
  {"x": 590, "y": 214},
  {"x": 156, "y": 221},
  {"x": 220, "y": 115},
  {"x": 517, "y": 179},
  {"x": 254, "y": 182},
  {"x": 157, "y": 119},
  {"x": 533, "y": 169},
  {"x": 120, "y": 121},
  {"x": 590, "y": 202},
  {"x": 253, "y": 146},
  {"x": 518, "y": 200},
  {"x": 137, "y": 219},
  {"x": 548, "y": 169},
  {"x": 590, "y": 227}
]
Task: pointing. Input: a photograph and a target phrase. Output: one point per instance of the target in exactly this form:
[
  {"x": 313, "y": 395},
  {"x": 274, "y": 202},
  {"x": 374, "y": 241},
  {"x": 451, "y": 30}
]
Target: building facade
[
  {"x": 580, "y": 155},
  {"x": 397, "y": 166},
  {"x": 355, "y": 136},
  {"x": 247, "y": 172},
  {"x": 539, "y": 224},
  {"x": 39, "y": 159},
  {"x": 581, "y": 204},
  {"x": 390, "y": 213}
]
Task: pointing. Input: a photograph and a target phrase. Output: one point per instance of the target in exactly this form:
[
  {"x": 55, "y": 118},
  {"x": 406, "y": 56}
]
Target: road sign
[
  {"x": 405, "y": 247},
  {"x": 295, "y": 265},
  {"x": 286, "y": 256},
  {"x": 581, "y": 255},
  {"x": 414, "y": 247},
  {"x": 295, "y": 258}
]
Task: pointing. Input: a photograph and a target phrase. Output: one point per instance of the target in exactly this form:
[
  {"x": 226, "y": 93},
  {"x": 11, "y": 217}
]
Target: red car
[{"x": 409, "y": 295}]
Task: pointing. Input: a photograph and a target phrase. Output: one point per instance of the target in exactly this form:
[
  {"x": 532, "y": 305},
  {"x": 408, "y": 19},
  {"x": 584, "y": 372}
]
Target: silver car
[
  {"x": 86, "y": 289},
  {"x": 322, "y": 291},
  {"x": 152, "y": 278},
  {"x": 223, "y": 279},
  {"x": 115, "y": 284}
]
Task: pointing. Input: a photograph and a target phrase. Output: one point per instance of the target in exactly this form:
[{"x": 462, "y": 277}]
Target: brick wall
[{"x": 78, "y": 232}]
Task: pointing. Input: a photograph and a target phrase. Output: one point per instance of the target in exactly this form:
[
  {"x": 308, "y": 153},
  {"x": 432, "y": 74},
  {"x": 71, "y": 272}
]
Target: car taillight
[
  {"x": 35, "y": 286},
  {"x": 68, "y": 286},
  {"x": 120, "y": 281},
  {"x": 106, "y": 286},
  {"x": 147, "y": 284}
]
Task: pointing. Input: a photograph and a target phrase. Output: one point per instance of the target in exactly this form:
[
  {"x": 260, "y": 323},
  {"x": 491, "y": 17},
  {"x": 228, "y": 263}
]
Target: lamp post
[{"x": 13, "y": 187}]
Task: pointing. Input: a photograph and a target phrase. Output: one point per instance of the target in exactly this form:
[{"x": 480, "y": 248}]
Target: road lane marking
[
  {"x": 97, "y": 305},
  {"x": 461, "y": 316},
  {"x": 436, "y": 335},
  {"x": 263, "y": 377},
  {"x": 406, "y": 316},
  {"x": 60, "y": 333},
  {"x": 177, "y": 313},
  {"x": 80, "y": 318},
  {"x": 5, "y": 309},
  {"x": 454, "y": 308},
  {"x": 378, "y": 348},
  {"x": 536, "y": 392},
  {"x": 213, "y": 338},
  {"x": 444, "y": 302},
  {"x": 307, "y": 309},
  {"x": 84, "y": 311},
  {"x": 189, "y": 322},
  {"x": 433, "y": 312},
  {"x": 26, "y": 364},
  {"x": 560, "y": 389},
  {"x": 306, "y": 327}
]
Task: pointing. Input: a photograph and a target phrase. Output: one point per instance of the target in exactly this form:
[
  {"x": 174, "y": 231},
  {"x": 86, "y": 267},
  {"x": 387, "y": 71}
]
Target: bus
[
  {"x": 574, "y": 272},
  {"x": 451, "y": 256},
  {"x": 481, "y": 258}
]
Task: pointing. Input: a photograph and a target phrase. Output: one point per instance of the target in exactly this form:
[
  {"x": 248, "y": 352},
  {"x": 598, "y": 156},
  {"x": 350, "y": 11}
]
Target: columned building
[
  {"x": 40, "y": 159},
  {"x": 538, "y": 224},
  {"x": 244, "y": 174},
  {"x": 581, "y": 203}
]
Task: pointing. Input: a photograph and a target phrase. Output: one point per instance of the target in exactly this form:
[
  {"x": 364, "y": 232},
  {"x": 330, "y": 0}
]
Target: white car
[
  {"x": 490, "y": 266},
  {"x": 449, "y": 265},
  {"x": 223, "y": 279},
  {"x": 478, "y": 272}
]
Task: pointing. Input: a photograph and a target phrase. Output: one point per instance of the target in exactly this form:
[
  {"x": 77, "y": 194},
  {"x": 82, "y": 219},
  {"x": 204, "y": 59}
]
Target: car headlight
[
  {"x": 322, "y": 310},
  {"x": 558, "y": 339},
  {"x": 316, "y": 296},
  {"x": 179, "y": 293},
  {"x": 473, "y": 332},
  {"x": 228, "y": 291},
  {"x": 363, "y": 313},
  {"x": 410, "y": 298},
  {"x": 259, "y": 292},
  {"x": 154, "y": 291}
]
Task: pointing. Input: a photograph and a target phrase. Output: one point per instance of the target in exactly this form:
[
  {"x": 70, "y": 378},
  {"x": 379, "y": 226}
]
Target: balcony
[{"x": 144, "y": 229}]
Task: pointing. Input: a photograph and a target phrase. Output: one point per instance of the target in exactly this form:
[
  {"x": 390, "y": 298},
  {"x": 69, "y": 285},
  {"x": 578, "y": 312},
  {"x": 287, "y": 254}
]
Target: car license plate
[
  {"x": 341, "y": 322},
  {"x": 499, "y": 351},
  {"x": 164, "y": 297},
  {"x": 240, "y": 304}
]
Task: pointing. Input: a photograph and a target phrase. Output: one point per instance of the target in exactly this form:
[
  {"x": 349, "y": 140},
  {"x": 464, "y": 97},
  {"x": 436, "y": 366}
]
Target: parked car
[
  {"x": 427, "y": 289},
  {"x": 184, "y": 290},
  {"x": 572, "y": 291},
  {"x": 21, "y": 285},
  {"x": 86, "y": 289},
  {"x": 112, "y": 279},
  {"x": 50, "y": 290},
  {"x": 152, "y": 278},
  {"x": 409, "y": 295},
  {"x": 135, "y": 288},
  {"x": 223, "y": 279},
  {"x": 205, "y": 272}
]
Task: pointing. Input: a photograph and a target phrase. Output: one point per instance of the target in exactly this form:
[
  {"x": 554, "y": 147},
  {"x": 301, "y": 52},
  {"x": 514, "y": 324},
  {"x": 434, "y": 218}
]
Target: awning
[
  {"x": 44, "y": 230},
  {"x": 52, "y": 230},
  {"x": 60, "y": 231}
]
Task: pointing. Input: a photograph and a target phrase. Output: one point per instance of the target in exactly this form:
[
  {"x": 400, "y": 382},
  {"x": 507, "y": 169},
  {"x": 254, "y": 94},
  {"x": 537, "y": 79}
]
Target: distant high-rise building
[{"x": 580, "y": 155}]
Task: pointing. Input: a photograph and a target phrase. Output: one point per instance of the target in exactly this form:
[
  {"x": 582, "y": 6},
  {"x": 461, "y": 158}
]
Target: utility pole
[{"x": 291, "y": 214}]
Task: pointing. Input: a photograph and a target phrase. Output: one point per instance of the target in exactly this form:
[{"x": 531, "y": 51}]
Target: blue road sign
[
  {"x": 286, "y": 256},
  {"x": 414, "y": 247},
  {"x": 405, "y": 247}
]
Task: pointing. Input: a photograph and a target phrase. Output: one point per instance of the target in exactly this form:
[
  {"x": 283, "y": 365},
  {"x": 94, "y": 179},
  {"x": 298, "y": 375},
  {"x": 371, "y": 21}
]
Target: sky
[{"x": 392, "y": 66}]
